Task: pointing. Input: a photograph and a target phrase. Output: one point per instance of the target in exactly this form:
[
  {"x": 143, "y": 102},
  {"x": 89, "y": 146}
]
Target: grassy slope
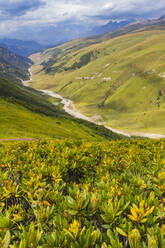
[
  {"x": 130, "y": 101},
  {"x": 25, "y": 113},
  {"x": 18, "y": 122},
  {"x": 12, "y": 66}
]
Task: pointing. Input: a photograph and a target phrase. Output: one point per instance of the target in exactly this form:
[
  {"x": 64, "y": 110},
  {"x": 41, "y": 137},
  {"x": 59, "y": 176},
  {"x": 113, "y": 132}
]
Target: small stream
[{"x": 70, "y": 108}]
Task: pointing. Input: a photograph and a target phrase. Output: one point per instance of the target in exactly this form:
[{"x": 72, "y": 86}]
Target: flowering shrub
[{"x": 79, "y": 194}]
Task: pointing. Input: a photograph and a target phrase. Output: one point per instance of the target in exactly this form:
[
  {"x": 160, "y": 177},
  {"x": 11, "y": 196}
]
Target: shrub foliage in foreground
[{"x": 79, "y": 194}]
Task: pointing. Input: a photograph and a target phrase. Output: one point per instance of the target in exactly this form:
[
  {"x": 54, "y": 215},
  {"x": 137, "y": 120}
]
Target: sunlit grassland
[
  {"x": 18, "y": 122},
  {"x": 135, "y": 63}
]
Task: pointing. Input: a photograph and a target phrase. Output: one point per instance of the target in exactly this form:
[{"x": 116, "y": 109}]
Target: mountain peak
[{"x": 162, "y": 17}]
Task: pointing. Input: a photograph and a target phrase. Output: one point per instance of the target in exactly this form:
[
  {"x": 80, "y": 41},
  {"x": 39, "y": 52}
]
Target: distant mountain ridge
[
  {"x": 162, "y": 17},
  {"x": 20, "y": 47},
  {"x": 60, "y": 50},
  {"x": 131, "y": 27},
  {"x": 111, "y": 26}
]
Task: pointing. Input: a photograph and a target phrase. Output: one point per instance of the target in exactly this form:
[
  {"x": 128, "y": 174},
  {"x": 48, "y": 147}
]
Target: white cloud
[
  {"x": 15, "y": 14},
  {"x": 60, "y": 10},
  {"x": 108, "y": 5}
]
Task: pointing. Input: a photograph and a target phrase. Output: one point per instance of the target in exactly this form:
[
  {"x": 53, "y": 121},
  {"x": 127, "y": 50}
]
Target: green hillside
[
  {"x": 12, "y": 66},
  {"x": 26, "y": 113},
  {"x": 120, "y": 79},
  {"x": 76, "y": 194}
]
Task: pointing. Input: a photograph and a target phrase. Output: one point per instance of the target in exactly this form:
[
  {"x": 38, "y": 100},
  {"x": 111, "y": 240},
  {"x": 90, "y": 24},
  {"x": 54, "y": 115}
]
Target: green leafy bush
[{"x": 79, "y": 194}]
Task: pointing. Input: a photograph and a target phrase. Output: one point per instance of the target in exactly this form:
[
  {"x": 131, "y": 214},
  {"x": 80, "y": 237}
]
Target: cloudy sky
[{"x": 33, "y": 18}]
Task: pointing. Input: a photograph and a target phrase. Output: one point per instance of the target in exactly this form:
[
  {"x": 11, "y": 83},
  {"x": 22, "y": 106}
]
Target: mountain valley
[
  {"x": 119, "y": 76},
  {"x": 82, "y": 124},
  {"x": 28, "y": 113}
]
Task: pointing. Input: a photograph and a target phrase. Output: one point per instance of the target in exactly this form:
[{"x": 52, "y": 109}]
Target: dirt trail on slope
[{"x": 70, "y": 108}]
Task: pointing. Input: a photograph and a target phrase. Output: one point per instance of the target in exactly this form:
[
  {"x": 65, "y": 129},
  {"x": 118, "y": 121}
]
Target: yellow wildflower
[
  {"x": 75, "y": 227},
  {"x": 139, "y": 214},
  {"x": 87, "y": 187},
  {"x": 161, "y": 176},
  {"x": 143, "y": 185},
  {"x": 119, "y": 193},
  {"x": 46, "y": 203},
  {"x": 163, "y": 229}
]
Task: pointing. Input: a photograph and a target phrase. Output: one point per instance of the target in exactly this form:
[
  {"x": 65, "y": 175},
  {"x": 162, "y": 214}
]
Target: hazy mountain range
[
  {"x": 63, "y": 32},
  {"x": 54, "y": 35},
  {"x": 20, "y": 47}
]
